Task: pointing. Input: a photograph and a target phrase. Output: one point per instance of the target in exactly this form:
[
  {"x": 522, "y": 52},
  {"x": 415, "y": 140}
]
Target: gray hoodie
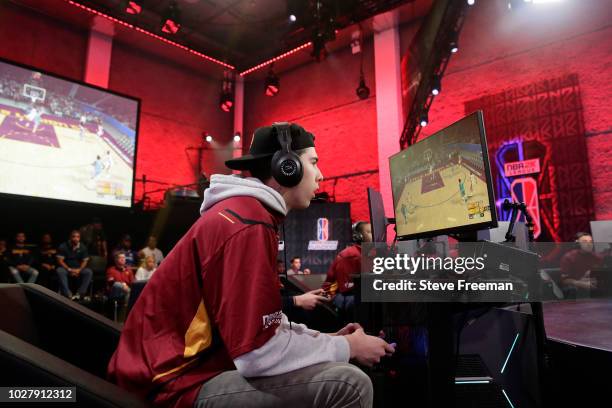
[
  {"x": 293, "y": 346},
  {"x": 222, "y": 187}
]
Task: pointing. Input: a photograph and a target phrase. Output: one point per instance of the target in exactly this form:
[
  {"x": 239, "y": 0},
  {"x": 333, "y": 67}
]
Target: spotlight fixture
[
  {"x": 272, "y": 83},
  {"x": 133, "y": 6},
  {"x": 454, "y": 44},
  {"x": 237, "y": 137},
  {"x": 227, "y": 97},
  {"x": 423, "y": 120},
  {"x": 363, "y": 92},
  {"x": 208, "y": 138},
  {"x": 436, "y": 85},
  {"x": 171, "y": 19},
  {"x": 471, "y": 2},
  {"x": 294, "y": 9}
]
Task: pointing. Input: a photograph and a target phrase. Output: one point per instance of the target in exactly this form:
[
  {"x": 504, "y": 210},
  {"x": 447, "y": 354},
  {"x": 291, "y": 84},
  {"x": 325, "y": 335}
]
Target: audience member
[
  {"x": 147, "y": 269},
  {"x": 280, "y": 267},
  {"x": 576, "y": 266},
  {"x": 94, "y": 238},
  {"x": 72, "y": 257},
  {"x": 3, "y": 260},
  {"x": 125, "y": 246},
  {"x": 21, "y": 258},
  {"x": 152, "y": 250},
  {"x": 338, "y": 282},
  {"x": 119, "y": 278},
  {"x": 294, "y": 268},
  {"x": 47, "y": 259}
]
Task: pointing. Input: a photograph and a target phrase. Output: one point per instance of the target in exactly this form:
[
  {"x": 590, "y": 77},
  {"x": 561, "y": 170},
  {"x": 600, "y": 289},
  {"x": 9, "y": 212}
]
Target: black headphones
[
  {"x": 286, "y": 165},
  {"x": 357, "y": 235}
]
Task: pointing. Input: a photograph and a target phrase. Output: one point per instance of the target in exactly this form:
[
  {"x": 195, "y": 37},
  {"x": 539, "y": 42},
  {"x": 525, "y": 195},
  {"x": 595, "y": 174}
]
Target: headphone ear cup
[
  {"x": 357, "y": 235},
  {"x": 287, "y": 168}
]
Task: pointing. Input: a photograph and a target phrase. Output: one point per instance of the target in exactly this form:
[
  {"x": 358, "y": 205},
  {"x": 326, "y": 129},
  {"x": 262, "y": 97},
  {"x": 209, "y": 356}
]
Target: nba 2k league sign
[{"x": 322, "y": 243}]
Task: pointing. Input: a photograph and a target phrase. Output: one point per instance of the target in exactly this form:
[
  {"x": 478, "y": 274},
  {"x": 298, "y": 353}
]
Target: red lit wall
[
  {"x": 501, "y": 50},
  {"x": 34, "y": 39},
  {"x": 177, "y": 103},
  {"x": 321, "y": 97}
]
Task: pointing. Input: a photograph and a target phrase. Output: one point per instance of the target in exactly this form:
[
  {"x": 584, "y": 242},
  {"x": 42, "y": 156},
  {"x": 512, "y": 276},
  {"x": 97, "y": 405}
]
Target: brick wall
[{"x": 321, "y": 97}]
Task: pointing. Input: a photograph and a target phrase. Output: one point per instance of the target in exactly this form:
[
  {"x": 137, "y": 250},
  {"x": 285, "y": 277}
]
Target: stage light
[
  {"x": 423, "y": 120},
  {"x": 363, "y": 92},
  {"x": 226, "y": 102},
  {"x": 171, "y": 19},
  {"x": 436, "y": 85},
  {"x": 471, "y": 2},
  {"x": 227, "y": 96},
  {"x": 209, "y": 138},
  {"x": 272, "y": 83},
  {"x": 295, "y": 8},
  {"x": 237, "y": 137},
  {"x": 134, "y": 6}
]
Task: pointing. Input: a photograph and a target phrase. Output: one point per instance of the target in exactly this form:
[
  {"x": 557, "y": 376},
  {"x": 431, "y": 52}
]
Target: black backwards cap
[{"x": 265, "y": 144}]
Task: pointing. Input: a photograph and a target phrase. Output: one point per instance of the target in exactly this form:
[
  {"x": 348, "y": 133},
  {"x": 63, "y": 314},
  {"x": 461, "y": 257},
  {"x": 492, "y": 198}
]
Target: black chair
[{"x": 47, "y": 340}]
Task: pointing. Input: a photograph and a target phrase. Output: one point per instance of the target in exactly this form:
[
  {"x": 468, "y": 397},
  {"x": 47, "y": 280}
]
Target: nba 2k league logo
[
  {"x": 322, "y": 243},
  {"x": 322, "y": 229}
]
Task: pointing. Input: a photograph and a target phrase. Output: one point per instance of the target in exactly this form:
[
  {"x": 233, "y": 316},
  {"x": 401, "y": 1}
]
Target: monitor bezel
[
  {"x": 487, "y": 170},
  {"x": 99, "y": 88},
  {"x": 370, "y": 192}
]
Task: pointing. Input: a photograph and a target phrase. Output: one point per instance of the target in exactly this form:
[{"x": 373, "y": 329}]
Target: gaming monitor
[
  {"x": 442, "y": 184},
  {"x": 378, "y": 219},
  {"x": 65, "y": 140}
]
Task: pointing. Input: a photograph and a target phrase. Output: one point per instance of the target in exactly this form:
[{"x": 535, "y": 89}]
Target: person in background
[
  {"x": 152, "y": 250},
  {"x": 576, "y": 266},
  {"x": 338, "y": 282},
  {"x": 294, "y": 268},
  {"x": 72, "y": 257},
  {"x": 147, "y": 269},
  {"x": 3, "y": 259},
  {"x": 125, "y": 246},
  {"x": 94, "y": 238},
  {"x": 47, "y": 259},
  {"x": 21, "y": 258},
  {"x": 119, "y": 278}
]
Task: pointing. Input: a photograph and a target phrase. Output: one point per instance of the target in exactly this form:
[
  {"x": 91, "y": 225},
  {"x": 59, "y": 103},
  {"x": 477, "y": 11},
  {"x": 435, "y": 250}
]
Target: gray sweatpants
[{"x": 321, "y": 385}]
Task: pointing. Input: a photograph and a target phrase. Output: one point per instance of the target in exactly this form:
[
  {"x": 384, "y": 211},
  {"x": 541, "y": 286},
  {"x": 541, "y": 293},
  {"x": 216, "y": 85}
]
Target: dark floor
[{"x": 586, "y": 323}]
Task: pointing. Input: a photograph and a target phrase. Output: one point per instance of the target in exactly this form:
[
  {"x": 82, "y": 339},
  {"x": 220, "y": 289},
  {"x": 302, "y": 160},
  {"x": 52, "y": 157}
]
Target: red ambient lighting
[
  {"x": 150, "y": 34},
  {"x": 170, "y": 27},
  {"x": 270, "y": 61},
  {"x": 133, "y": 7}
]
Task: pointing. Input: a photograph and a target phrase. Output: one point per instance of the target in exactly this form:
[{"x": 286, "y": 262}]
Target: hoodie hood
[{"x": 225, "y": 186}]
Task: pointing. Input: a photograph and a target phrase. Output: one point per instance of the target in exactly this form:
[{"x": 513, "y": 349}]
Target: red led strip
[
  {"x": 150, "y": 34},
  {"x": 270, "y": 61}
]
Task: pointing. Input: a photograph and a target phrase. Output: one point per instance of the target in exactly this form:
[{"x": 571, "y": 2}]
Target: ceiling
[{"x": 241, "y": 33}]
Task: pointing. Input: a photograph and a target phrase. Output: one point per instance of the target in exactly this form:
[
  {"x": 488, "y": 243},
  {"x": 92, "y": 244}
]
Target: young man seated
[
  {"x": 208, "y": 329},
  {"x": 72, "y": 258}
]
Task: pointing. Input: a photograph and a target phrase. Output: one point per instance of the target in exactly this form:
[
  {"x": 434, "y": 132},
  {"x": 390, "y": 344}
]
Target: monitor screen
[
  {"x": 62, "y": 139},
  {"x": 442, "y": 184},
  {"x": 378, "y": 219}
]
